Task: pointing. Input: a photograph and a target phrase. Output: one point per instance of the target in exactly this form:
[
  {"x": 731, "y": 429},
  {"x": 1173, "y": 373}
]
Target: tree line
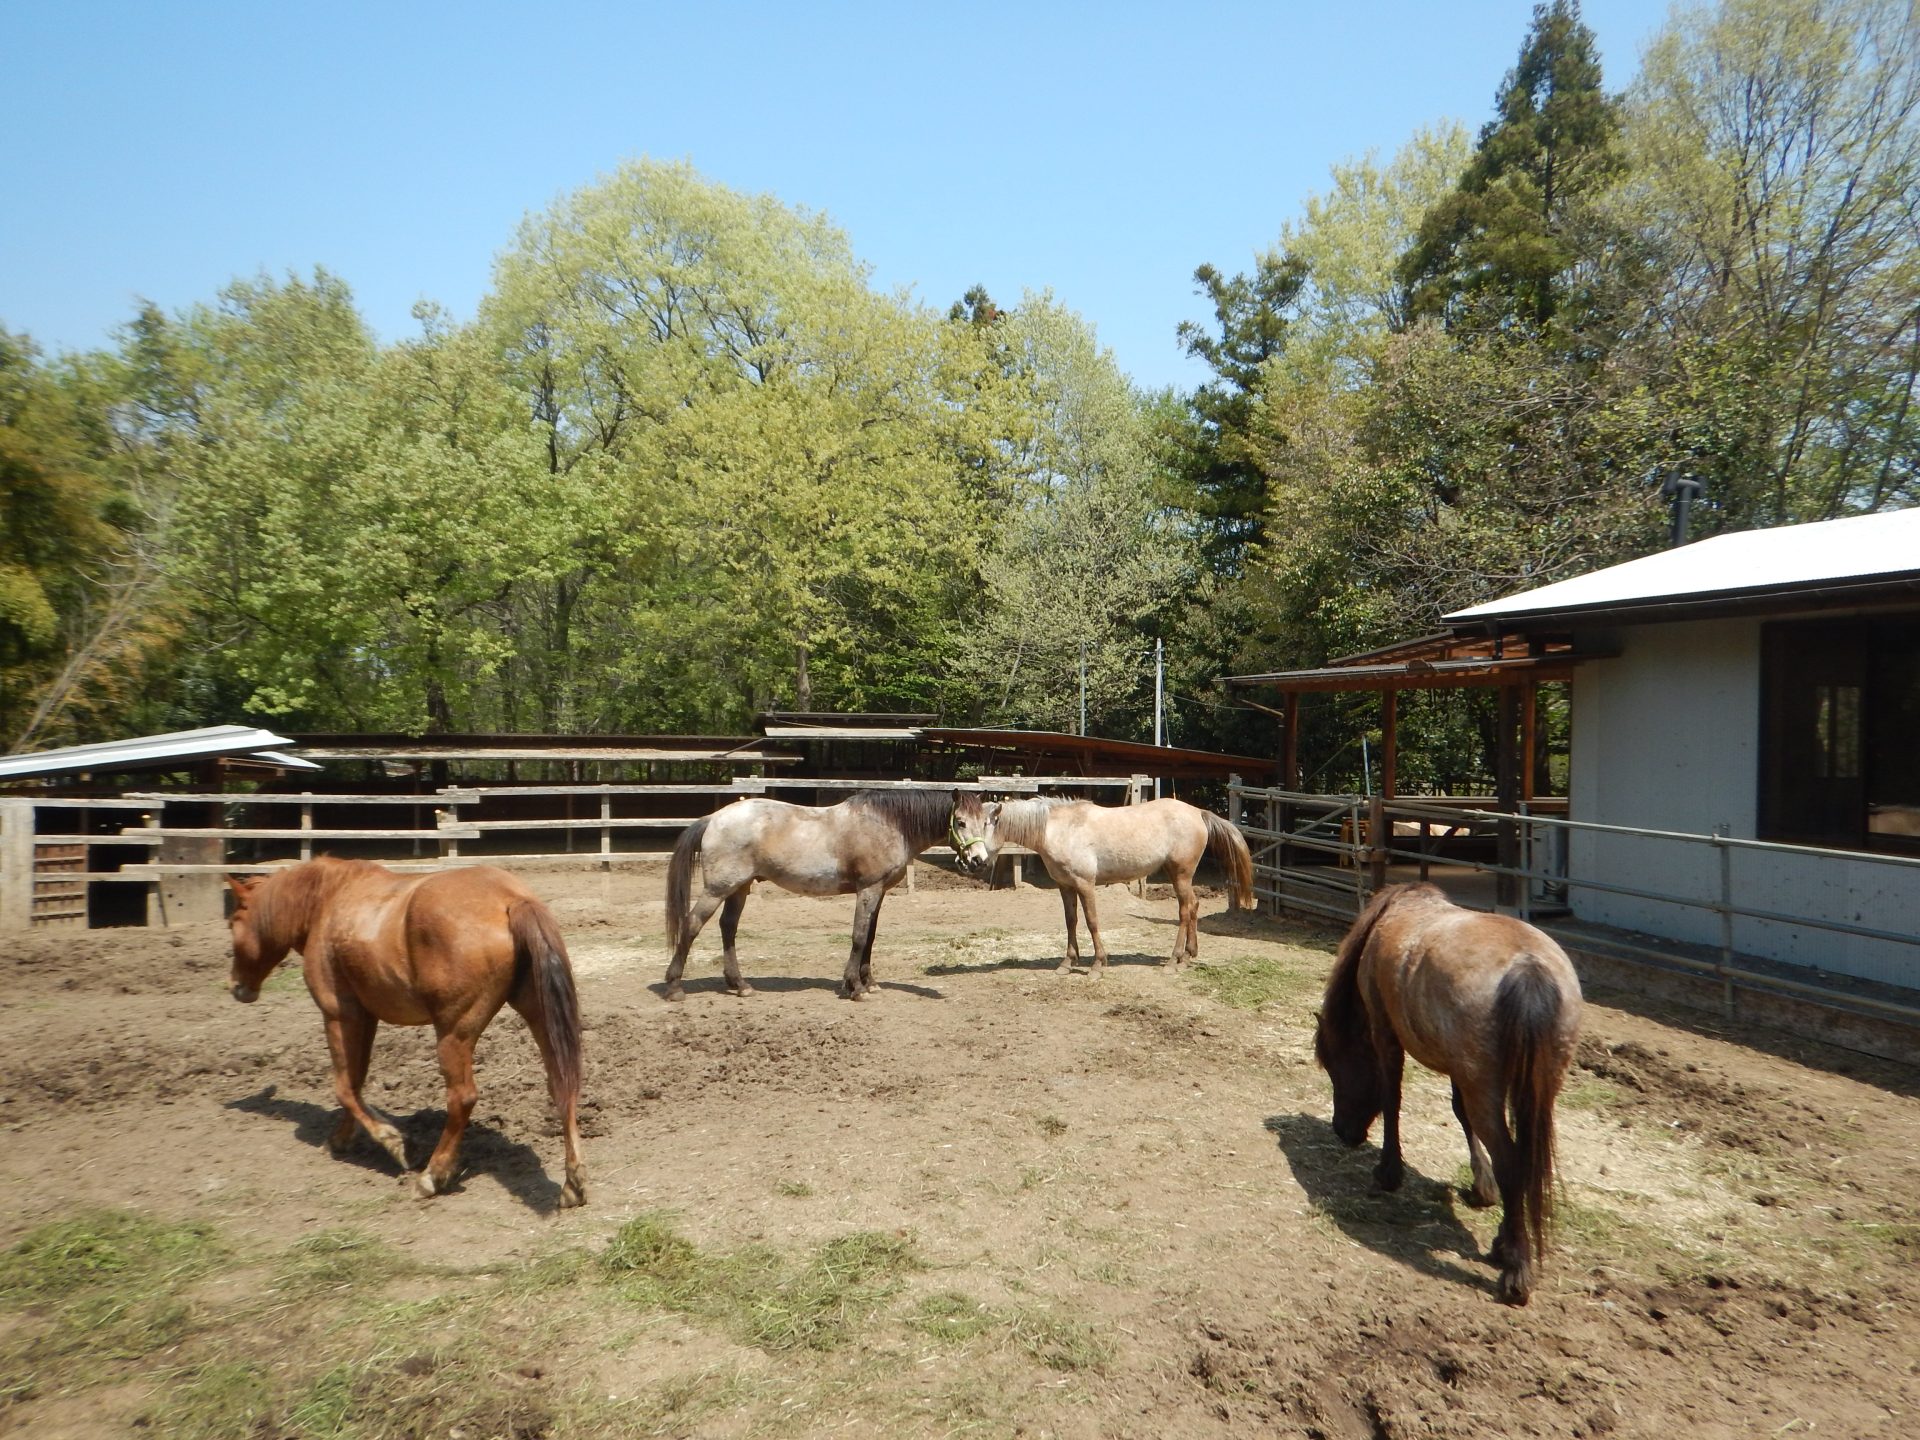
[{"x": 687, "y": 463}]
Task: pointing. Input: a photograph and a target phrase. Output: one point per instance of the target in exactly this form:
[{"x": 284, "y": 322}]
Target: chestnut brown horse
[
  {"x": 1084, "y": 845},
  {"x": 445, "y": 949},
  {"x": 862, "y": 846},
  {"x": 1486, "y": 1000}
]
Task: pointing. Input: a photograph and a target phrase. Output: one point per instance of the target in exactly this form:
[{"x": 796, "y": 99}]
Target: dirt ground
[{"x": 1105, "y": 1207}]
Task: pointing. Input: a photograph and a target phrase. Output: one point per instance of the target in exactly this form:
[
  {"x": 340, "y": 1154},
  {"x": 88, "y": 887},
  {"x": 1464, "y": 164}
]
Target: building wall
[{"x": 1666, "y": 737}]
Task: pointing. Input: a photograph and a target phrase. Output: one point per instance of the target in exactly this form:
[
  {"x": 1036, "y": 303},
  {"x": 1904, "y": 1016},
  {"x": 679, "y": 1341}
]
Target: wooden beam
[{"x": 1389, "y": 742}]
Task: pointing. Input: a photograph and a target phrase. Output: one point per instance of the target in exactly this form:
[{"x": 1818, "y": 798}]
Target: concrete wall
[{"x": 1666, "y": 737}]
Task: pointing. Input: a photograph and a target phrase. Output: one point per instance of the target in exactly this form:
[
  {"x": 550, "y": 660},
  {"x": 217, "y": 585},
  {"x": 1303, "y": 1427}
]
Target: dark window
[{"x": 1840, "y": 733}]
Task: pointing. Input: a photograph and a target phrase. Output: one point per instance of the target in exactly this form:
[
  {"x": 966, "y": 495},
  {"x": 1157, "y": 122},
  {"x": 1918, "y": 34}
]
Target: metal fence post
[{"x": 1720, "y": 834}]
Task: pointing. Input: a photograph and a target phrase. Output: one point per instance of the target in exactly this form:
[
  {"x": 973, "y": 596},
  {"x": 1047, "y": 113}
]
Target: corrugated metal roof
[
  {"x": 147, "y": 752},
  {"x": 1750, "y": 564}
]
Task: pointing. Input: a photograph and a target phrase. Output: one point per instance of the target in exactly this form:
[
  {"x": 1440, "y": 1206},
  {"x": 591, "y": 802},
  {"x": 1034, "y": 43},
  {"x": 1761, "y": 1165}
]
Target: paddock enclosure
[{"x": 998, "y": 1202}]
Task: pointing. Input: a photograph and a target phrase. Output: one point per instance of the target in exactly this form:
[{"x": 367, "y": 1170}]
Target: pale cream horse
[
  {"x": 862, "y": 847},
  {"x": 1084, "y": 845}
]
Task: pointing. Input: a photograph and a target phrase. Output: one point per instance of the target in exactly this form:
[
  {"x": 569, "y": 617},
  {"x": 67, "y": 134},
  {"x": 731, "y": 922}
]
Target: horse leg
[
  {"x": 532, "y": 1009},
  {"x": 349, "y": 1035},
  {"x": 456, "y": 1066},
  {"x": 358, "y": 1033},
  {"x": 729, "y": 927},
  {"x": 1186, "y": 937},
  {"x": 1070, "y": 899},
  {"x": 866, "y": 951},
  {"x": 1483, "y": 1192},
  {"x": 1093, "y": 926},
  {"x": 1393, "y": 1061},
  {"x": 866, "y": 911},
  {"x": 698, "y": 914},
  {"x": 1511, "y": 1249}
]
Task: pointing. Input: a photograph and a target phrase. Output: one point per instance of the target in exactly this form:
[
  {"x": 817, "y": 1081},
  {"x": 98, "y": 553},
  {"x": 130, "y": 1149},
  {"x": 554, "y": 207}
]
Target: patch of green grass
[
  {"x": 216, "y": 1400},
  {"x": 102, "y": 1287},
  {"x": 337, "y": 1260},
  {"x": 953, "y": 1317},
  {"x": 1590, "y": 1095},
  {"x": 1250, "y": 983},
  {"x": 1061, "y": 1342},
  {"x": 793, "y": 1189},
  {"x": 1057, "y": 1341},
  {"x": 1052, "y": 1126},
  {"x": 754, "y": 1293}
]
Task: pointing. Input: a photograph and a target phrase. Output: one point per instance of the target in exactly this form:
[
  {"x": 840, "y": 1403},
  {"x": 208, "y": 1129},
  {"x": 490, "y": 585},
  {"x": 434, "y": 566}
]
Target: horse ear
[
  {"x": 243, "y": 885},
  {"x": 993, "y": 809}
]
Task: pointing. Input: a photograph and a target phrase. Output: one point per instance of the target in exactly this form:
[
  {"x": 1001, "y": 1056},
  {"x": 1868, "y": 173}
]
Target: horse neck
[
  {"x": 292, "y": 900},
  {"x": 1024, "y": 822}
]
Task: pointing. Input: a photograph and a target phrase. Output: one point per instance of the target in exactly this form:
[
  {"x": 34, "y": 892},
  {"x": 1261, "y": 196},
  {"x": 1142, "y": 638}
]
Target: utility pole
[
  {"x": 1083, "y": 687},
  {"x": 1159, "y": 702}
]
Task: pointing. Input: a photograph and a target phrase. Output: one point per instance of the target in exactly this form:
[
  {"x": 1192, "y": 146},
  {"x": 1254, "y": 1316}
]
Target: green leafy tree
[
  {"x": 1089, "y": 562},
  {"x": 1776, "y": 314}
]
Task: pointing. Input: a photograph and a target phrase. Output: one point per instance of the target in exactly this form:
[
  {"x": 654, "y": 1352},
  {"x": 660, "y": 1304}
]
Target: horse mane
[
  {"x": 285, "y": 905},
  {"x": 1343, "y": 1013},
  {"x": 1024, "y": 821},
  {"x": 920, "y": 815}
]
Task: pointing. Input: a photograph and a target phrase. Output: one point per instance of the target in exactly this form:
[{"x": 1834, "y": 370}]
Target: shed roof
[
  {"x": 1855, "y": 560},
  {"x": 155, "y": 752}
]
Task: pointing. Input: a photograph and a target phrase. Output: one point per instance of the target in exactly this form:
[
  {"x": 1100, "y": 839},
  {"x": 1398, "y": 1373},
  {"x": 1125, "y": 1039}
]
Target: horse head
[
  {"x": 970, "y": 831},
  {"x": 1346, "y": 1053},
  {"x": 254, "y": 955}
]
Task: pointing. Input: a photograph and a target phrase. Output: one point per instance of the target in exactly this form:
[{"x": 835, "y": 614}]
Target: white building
[{"x": 1765, "y": 685}]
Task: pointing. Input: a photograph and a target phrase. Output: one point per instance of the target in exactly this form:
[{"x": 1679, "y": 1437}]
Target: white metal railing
[{"x": 1540, "y": 879}]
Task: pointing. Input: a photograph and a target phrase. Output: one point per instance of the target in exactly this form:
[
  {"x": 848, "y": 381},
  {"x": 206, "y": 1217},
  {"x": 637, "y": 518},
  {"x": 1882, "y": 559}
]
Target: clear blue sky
[{"x": 1101, "y": 150}]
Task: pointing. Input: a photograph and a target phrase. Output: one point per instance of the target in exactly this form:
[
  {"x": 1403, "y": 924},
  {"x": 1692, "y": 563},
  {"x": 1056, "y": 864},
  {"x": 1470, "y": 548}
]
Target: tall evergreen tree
[{"x": 1498, "y": 248}]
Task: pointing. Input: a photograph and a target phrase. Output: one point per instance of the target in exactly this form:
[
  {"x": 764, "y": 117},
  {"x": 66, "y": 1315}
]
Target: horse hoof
[
  {"x": 1389, "y": 1177},
  {"x": 1479, "y": 1201},
  {"x": 743, "y": 990},
  {"x": 423, "y": 1186},
  {"x": 573, "y": 1193},
  {"x": 1514, "y": 1290},
  {"x": 674, "y": 992}
]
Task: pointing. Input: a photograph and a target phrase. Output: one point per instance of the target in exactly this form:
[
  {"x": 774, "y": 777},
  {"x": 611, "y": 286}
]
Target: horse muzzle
[{"x": 245, "y": 994}]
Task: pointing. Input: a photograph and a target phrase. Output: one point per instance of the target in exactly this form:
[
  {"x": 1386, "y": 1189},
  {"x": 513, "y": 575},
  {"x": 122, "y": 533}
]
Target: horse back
[
  {"x": 414, "y": 947},
  {"x": 1438, "y": 970},
  {"x": 1112, "y": 843},
  {"x": 811, "y": 850}
]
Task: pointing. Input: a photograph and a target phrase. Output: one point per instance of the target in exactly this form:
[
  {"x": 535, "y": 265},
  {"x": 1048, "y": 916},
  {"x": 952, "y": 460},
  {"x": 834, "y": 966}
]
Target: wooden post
[
  {"x": 445, "y": 819},
  {"x": 306, "y": 826},
  {"x": 16, "y": 864},
  {"x": 1506, "y": 888},
  {"x": 1389, "y": 742},
  {"x": 1529, "y": 722},
  {"x": 606, "y": 832}
]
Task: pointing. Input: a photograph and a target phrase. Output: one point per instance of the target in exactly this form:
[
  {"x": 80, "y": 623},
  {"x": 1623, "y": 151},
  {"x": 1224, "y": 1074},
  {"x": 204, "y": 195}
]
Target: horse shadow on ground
[
  {"x": 790, "y": 984},
  {"x": 483, "y": 1150},
  {"x": 1417, "y": 1225},
  {"x": 1082, "y": 967}
]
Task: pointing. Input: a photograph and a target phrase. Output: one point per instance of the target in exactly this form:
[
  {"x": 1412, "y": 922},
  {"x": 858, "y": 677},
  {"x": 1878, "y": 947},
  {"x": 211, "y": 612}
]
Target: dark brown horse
[
  {"x": 446, "y": 950},
  {"x": 862, "y": 846},
  {"x": 1486, "y": 1000}
]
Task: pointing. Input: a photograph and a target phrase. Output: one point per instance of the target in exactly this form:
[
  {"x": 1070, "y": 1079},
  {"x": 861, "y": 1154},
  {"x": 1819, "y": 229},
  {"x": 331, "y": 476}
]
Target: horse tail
[
  {"x": 1229, "y": 850},
  {"x": 1526, "y": 1024},
  {"x": 680, "y": 882},
  {"x": 540, "y": 955}
]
